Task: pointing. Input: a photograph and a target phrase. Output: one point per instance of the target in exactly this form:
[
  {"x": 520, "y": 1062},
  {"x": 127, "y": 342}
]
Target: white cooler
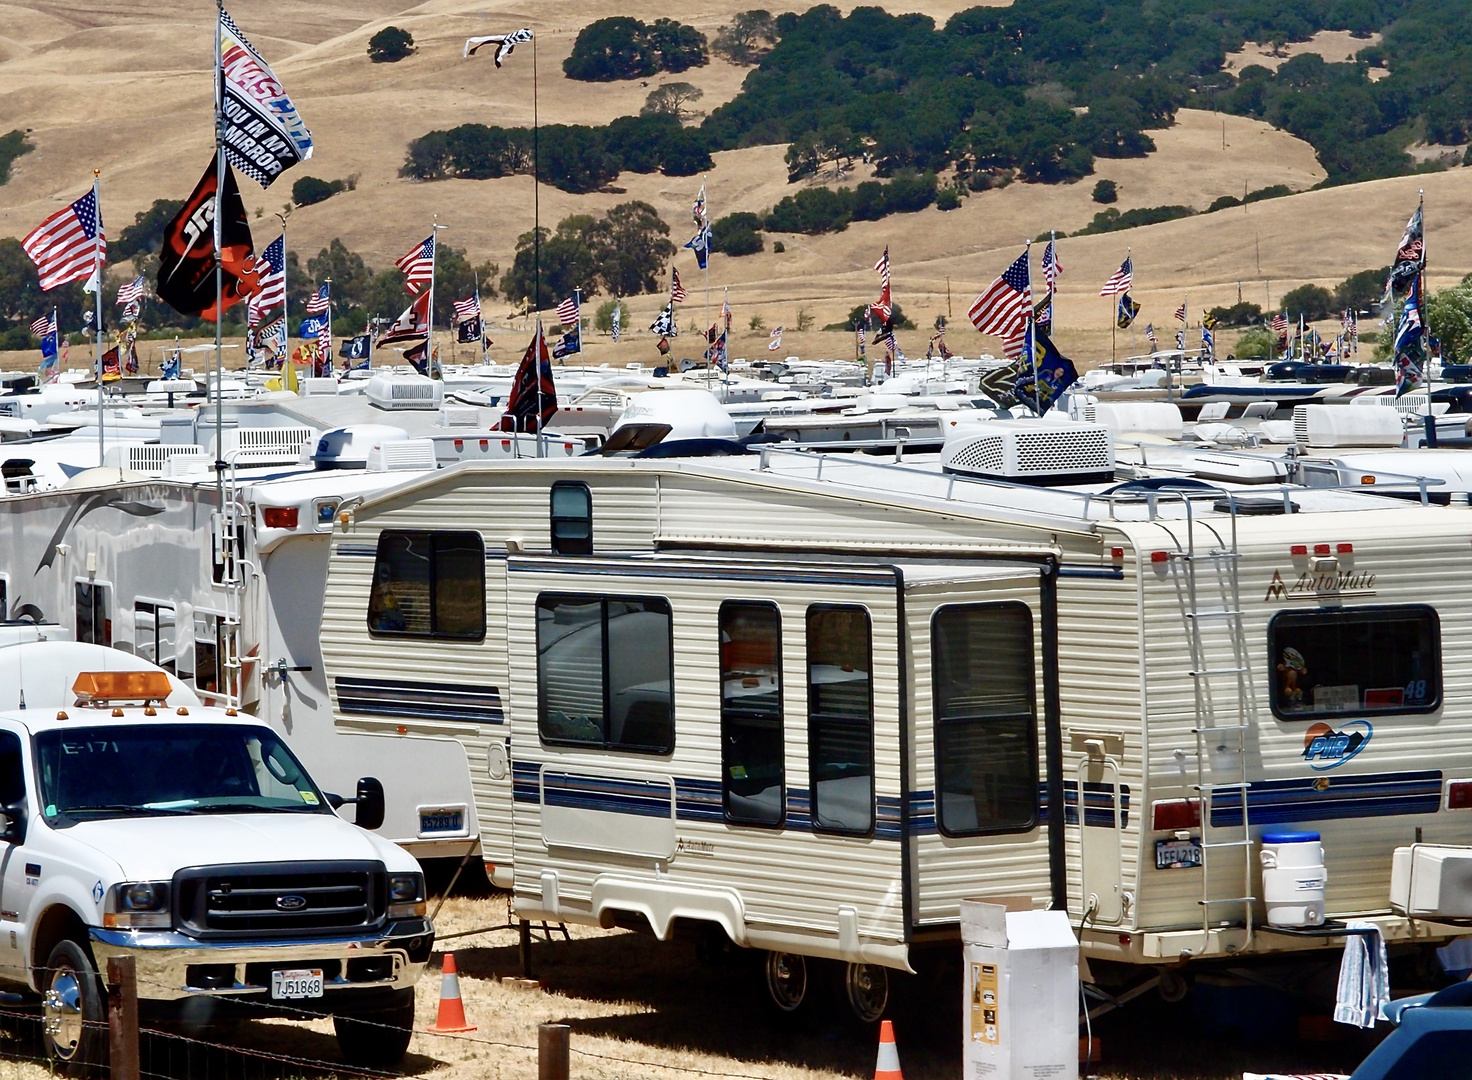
[{"x": 1294, "y": 879}]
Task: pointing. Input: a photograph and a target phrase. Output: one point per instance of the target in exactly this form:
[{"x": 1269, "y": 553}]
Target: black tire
[
  {"x": 74, "y": 1011},
  {"x": 865, "y": 992},
  {"x": 786, "y": 978},
  {"x": 379, "y": 1038}
]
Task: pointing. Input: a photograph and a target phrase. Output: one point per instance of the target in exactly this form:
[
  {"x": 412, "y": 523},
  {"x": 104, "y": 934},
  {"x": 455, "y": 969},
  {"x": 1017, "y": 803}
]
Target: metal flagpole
[
  {"x": 1425, "y": 308},
  {"x": 328, "y": 282},
  {"x": 706, "y": 215},
  {"x": 220, "y": 269},
  {"x": 536, "y": 200},
  {"x": 97, "y": 312},
  {"x": 434, "y": 252},
  {"x": 480, "y": 319}
]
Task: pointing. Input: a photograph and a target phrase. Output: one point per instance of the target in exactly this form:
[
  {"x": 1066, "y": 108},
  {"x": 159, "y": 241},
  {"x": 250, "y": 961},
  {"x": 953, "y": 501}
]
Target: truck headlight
[
  {"x": 405, "y": 895},
  {"x": 137, "y": 904}
]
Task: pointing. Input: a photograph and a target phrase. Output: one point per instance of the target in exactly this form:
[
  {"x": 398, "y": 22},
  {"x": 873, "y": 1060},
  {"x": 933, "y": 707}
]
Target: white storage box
[{"x": 1430, "y": 880}]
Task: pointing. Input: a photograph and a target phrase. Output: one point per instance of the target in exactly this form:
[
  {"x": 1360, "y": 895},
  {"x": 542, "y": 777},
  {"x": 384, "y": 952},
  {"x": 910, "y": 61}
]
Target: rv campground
[{"x": 638, "y": 1008}]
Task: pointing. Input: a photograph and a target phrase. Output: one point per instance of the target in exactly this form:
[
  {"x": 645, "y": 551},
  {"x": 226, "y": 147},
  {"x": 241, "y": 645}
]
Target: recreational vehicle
[{"x": 813, "y": 701}]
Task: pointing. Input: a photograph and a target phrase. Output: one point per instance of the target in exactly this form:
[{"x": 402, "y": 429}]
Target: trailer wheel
[
  {"x": 866, "y": 989},
  {"x": 74, "y": 1015},
  {"x": 787, "y": 980},
  {"x": 1172, "y": 987}
]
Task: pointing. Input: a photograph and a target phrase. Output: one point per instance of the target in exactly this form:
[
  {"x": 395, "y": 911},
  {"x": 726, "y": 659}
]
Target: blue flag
[
  {"x": 700, "y": 244},
  {"x": 310, "y": 327},
  {"x": 571, "y": 343},
  {"x": 1055, "y": 373}
]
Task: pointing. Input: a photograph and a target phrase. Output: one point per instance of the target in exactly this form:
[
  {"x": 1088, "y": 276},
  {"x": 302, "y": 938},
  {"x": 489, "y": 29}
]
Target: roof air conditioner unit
[
  {"x": 459, "y": 416},
  {"x": 1027, "y": 452},
  {"x": 1325, "y": 426},
  {"x": 405, "y": 391},
  {"x": 315, "y": 387},
  {"x": 149, "y": 457},
  {"x": 1122, "y": 418},
  {"x": 402, "y": 455},
  {"x": 266, "y": 445}
]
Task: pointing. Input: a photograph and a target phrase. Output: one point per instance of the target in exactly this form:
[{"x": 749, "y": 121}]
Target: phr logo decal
[{"x": 1324, "y": 748}]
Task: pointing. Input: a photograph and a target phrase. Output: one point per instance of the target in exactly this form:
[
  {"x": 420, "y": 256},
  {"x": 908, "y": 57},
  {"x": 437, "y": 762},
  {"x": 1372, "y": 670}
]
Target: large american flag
[
  {"x": 1181, "y": 312},
  {"x": 321, "y": 300},
  {"x": 469, "y": 308},
  {"x": 568, "y": 311},
  {"x": 1052, "y": 266},
  {"x": 1121, "y": 280},
  {"x": 42, "y": 326},
  {"x": 1004, "y": 307},
  {"x": 132, "y": 292},
  {"x": 272, "y": 292},
  {"x": 1280, "y": 324},
  {"x": 677, "y": 291},
  {"x": 69, "y": 245},
  {"x": 418, "y": 265},
  {"x": 882, "y": 269}
]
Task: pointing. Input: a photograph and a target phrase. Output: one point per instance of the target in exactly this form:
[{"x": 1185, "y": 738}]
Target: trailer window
[
  {"x": 986, "y": 761},
  {"x": 840, "y": 719},
  {"x": 605, "y": 673},
  {"x": 752, "y": 774},
  {"x": 1355, "y": 662},
  {"x": 94, "y": 616},
  {"x": 153, "y": 633},
  {"x": 429, "y": 584},
  {"x": 572, "y": 518}
]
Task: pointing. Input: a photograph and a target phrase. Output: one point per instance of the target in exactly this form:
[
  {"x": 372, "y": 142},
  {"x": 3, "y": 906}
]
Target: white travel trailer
[{"x": 815, "y": 701}]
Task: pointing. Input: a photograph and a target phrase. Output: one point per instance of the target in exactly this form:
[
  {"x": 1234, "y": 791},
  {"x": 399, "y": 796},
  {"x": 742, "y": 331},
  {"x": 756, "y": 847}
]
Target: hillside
[{"x": 126, "y": 89}]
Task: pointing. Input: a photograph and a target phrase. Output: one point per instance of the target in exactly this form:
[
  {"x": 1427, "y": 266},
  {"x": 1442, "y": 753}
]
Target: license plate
[
  {"x": 441, "y": 821},
  {"x": 295, "y": 984},
  {"x": 1177, "y": 854}
]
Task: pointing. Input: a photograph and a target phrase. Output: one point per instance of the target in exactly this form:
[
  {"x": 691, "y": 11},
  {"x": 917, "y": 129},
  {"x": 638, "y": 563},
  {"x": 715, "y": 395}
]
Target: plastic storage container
[{"x": 1293, "y": 878}]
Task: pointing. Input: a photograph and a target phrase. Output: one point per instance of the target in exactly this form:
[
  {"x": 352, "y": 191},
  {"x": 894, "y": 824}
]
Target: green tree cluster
[
  {"x": 736, "y": 234},
  {"x": 1310, "y": 301},
  {"x": 389, "y": 45},
  {"x": 12, "y": 145},
  {"x": 749, "y": 37},
  {"x": 626, "y": 48},
  {"x": 1449, "y": 319},
  {"x": 1113, "y": 220},
  {"x": 819, "y": 210},
  {"x": 622, "y": 253},
  {"x": 1239, "y": 314},
  {"x": 309, "y": 189}
]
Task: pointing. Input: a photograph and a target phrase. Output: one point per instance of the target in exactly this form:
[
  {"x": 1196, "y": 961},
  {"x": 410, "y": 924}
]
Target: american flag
[
  {"x": 42, "y": 326},
  {"x": 1004, "y": 307},
  {"x": 1181, "y": 312},
  {"x": 466, "y": 309},
  {"x": 1280, "y": 324},
  {"x": 882, "y": 269},
  {"x": 726, "y": 314},
  {"x": 324, "y": 339},
  {"x": 418, "y": 265},
  {"x": 69, "y": 245},
  {"x": 1052, "y": 266},
  {"x": 776, "y": 342},
  {"x": 1150, "y": 336},
  {"x": 132, "y": 292},
  {"x": 569, "y": 312},
  {"x": 1121, "y": 280},
  {"x": 321, "y": 300},
  {"x": 272, "y": 278},
  {"x": 677, "y": 291},
  {"x": 698, "y": 210}
]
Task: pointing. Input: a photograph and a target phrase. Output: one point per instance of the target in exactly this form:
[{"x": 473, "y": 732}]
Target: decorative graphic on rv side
[
  {"x": 1310, "y": 585},
  {"x": 1324, "y": 748},
  {"x": 117, "y": 500}
]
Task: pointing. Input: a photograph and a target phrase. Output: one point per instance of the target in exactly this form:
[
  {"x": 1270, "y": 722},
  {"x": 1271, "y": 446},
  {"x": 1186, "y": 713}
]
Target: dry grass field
[{"x": 125, "y": 88}]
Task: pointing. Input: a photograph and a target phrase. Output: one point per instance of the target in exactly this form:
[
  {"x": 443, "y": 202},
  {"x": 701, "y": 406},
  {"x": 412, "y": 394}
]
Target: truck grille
[{"x": 279, "y": 899}]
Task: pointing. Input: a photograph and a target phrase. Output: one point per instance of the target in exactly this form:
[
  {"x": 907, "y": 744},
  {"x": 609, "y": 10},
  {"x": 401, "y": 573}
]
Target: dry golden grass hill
[{"x": 125, "y": 88}]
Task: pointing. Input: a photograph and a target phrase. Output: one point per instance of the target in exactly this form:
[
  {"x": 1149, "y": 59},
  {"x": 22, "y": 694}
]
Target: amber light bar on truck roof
[{"x": 105, "y": 687}]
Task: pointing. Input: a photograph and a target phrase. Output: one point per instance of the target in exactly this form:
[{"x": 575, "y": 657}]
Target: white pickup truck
[{"x": 191, "y": 839}]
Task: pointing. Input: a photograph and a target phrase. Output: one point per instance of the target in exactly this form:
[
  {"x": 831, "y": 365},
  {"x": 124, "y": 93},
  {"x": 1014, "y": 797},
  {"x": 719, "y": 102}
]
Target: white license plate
[
  {"x": 296, "y": 984},
  {"x": 441, "y": 821},
  {"x": 1177, "y": 854}
]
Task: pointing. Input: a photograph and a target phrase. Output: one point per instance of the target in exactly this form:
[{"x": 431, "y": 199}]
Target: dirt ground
[{"x": 639, "y": 1008}]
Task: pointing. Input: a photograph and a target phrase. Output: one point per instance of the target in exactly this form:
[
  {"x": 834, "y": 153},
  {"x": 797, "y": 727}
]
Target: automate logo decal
[{"x": 1324, "y": 748}]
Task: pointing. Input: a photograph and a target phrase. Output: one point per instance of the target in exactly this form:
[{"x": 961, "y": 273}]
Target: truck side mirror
[
  {"x": 369, "y": 803},
  {"x": 13, "y": 823}
]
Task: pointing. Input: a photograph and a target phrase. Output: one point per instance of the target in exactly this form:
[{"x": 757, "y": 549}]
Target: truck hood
[{"x": 151, "y": 849}]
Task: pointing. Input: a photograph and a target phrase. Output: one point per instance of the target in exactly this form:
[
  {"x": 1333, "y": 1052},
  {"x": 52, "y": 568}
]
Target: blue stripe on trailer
[
  {"x": 642, "y": 798},
  {"x": 1279, "y": 802},
  {"x": 454, "y": 702}
]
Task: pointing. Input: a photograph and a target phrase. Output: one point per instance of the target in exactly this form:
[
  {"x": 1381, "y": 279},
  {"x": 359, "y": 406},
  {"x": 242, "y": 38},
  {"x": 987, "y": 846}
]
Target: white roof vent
[
  {"x": 402, "y": 455},
  {"x": 315, "y": 387},
  {"x": 1324, "y": 426},
  {"x": 149, "y": 457},
  {"x": 1026, "y": 452},
  {"x": 389, "y": 391},
  {"x": 266, "y": 445},
  {"x": 459, "y": 416}
]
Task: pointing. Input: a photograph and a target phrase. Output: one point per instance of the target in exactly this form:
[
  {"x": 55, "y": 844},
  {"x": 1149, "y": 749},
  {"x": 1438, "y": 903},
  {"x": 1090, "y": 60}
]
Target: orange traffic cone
[
  {"x": 451, "y": 1016},
  {"x": 888, "y": 1066}
]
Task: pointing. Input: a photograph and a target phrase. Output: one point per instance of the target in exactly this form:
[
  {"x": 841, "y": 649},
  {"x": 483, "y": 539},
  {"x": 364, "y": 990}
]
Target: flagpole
[
  {"x": 97, "y": 312},
  {"x": 1421, "y": 299},
  {"x": 536, "y": 206},
  {"x": 702, "y": 225},
  {"x": 434, "y": 251},
  {"x": 220, "y": 270},
  {"x": 1052, "y": 292}
]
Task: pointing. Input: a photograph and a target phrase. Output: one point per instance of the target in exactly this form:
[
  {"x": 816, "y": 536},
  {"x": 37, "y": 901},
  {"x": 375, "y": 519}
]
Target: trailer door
[{"x": 978, "y": 807}]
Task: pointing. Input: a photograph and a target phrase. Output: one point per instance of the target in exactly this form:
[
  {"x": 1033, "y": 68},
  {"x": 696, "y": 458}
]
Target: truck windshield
[{"x": 151, "y": 770}]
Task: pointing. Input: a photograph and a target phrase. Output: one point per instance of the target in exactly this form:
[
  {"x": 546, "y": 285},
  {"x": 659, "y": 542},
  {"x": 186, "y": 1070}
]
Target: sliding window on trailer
[
  {"x": 841, "y": 718},
  {"x": 429, "y": 585},
  {"x": 1334, "y": 663}
]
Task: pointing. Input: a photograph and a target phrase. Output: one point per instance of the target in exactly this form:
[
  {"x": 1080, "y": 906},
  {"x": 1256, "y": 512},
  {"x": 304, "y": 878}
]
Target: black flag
[
  {"x": 186, "y": 265},
  {"x": 469, "y": 330}
]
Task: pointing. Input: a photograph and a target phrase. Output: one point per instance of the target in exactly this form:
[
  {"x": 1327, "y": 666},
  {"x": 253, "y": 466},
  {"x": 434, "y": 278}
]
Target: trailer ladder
[
  {"x": 232, "y": 575},
  {"x": 1205, "y": 573}
]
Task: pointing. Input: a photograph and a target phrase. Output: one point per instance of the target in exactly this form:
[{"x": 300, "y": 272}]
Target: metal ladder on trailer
[
  {"x": 230, "y": 526},
  {"x": 1206, "y": 576}
]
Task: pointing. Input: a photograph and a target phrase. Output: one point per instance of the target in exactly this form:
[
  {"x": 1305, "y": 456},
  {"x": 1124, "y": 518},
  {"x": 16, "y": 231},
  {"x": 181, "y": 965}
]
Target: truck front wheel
[
  {"x": 74, "y": 1014},
  {"x": 378, "y": 1038}
]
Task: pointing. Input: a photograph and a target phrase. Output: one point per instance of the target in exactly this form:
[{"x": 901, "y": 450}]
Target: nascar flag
[
  {"x": 264, "y": 135},
  {"x": 186, "y": 267}
]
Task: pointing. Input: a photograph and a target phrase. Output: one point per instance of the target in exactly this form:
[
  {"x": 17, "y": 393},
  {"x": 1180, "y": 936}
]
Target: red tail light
[
  {"x": 279, "y": 517},
  {"x": 1176, "y": 814},
  {"x": 1459, "y": 795}
]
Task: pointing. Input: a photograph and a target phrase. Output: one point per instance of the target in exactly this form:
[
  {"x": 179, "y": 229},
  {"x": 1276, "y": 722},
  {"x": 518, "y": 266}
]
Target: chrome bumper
[{"x": 173, "y": 966}]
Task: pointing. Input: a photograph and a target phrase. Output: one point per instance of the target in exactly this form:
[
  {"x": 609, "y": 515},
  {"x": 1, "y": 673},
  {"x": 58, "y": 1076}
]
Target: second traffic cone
[
  {"x": 451, "y": 1017},
  {"x": 888, "y": 1066}
]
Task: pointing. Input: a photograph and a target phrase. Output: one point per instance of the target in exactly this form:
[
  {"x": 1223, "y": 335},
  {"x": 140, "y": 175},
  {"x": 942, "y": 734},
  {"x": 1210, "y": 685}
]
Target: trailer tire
[
  {"x": 377, "y": 1039},
  {"x": 74, "y": 1011},
  {"x": 866, "y": 991},
  {"x": 786, "y": 976},
  {"x": 1172, "y": 987}
]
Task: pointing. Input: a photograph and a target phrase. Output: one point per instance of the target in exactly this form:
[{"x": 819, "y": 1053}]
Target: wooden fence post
[
  {"x": 553, "y": 1052},
  {"x": 122, "y": 1017}
]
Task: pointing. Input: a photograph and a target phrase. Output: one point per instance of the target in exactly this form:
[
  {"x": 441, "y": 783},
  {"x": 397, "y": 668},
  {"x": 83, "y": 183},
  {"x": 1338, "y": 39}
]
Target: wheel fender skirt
[{"x": 663, "y": 902}]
